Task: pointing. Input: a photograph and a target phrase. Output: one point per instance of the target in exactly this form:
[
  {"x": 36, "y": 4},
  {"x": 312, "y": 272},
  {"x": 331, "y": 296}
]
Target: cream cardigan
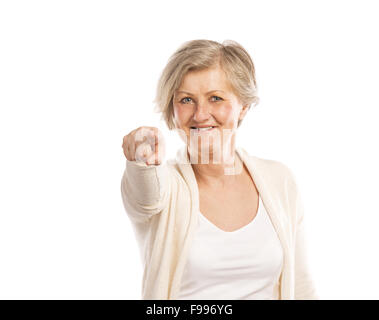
[{"x": 162, "y": 201}]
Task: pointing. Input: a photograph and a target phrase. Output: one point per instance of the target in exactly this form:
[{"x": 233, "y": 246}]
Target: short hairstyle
[{"x": 202, "y": 54}]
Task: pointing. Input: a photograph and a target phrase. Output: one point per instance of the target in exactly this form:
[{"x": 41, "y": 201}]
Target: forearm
[{"x": 144, "y": 187}]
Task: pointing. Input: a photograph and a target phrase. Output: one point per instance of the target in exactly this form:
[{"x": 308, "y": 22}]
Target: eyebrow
[{"x": 192, "y": 94}]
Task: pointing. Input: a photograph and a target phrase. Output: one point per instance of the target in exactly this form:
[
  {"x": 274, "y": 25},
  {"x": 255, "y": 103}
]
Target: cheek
[
  {"x": 176, "y": 113},
  {"x": 227, "y": 114},
  {"x": 181, "y": 114}
]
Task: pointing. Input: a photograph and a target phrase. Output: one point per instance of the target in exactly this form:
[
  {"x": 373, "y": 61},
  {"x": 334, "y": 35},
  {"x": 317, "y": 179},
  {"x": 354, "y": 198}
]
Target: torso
[{"x": 233, "y": 207}]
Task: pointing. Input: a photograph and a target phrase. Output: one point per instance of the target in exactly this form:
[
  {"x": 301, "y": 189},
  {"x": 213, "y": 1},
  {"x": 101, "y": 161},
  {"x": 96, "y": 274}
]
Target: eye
[
  {"x": 217, "y": 98},
  {"x": 184, "y": 101}
]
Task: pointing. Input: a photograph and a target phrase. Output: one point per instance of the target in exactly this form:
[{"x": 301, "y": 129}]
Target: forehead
[{"x": 213, "y": 78}]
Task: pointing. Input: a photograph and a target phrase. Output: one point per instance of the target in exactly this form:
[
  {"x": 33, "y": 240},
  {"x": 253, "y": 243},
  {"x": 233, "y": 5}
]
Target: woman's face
[{"x": 203, "y": 100}]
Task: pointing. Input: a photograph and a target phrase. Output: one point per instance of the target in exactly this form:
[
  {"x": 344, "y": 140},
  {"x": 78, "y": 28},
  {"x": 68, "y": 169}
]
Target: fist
[{"x": 144, "y": 144}]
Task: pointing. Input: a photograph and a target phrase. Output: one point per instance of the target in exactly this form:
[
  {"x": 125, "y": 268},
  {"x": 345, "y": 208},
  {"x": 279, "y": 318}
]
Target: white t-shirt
[{"x": 244, "y": 264}]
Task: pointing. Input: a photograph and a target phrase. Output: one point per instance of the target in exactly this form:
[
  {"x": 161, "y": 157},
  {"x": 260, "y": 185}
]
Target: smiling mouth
[{"x": 202, "y": 129}]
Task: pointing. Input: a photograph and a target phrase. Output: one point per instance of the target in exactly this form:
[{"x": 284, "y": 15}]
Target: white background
[{"x": 76, "y": 76}]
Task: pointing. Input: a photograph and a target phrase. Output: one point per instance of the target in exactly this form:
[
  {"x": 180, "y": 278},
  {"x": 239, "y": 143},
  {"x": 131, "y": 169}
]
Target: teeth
[{"x": 202, "y": 129}]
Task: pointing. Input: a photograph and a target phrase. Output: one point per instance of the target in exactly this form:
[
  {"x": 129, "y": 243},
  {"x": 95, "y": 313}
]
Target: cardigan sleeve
[
  {"x": 304, "y": 286},
  {"x": 144, "y": 189}
]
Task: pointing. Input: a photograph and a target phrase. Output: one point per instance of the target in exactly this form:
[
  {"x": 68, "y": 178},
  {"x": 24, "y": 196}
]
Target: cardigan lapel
[
  {"x": 274, "y": 211},
  {"x": 185, "y": 169}
]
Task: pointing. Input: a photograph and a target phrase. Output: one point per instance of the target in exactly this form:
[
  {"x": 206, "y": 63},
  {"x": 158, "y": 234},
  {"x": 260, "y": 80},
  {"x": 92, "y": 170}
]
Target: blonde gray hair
[{"x": 202, "y": 54}]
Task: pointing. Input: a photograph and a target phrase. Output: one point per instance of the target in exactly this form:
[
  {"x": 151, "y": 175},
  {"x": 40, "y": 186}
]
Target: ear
[{"x": 243, "y": 112}]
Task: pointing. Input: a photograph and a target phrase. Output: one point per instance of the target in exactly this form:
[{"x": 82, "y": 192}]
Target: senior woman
[{"x": 215, "y": 222}]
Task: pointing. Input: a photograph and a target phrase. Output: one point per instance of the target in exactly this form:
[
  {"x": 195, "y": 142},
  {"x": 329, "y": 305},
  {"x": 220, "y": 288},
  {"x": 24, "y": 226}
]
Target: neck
[{"x": 221, "y": 174}]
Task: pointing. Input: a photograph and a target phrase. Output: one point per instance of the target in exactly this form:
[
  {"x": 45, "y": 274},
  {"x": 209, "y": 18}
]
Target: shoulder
[
  {"x": 269, "y": 166},
  {"x": 274, "y": 172},
  {"x": 278, "y": 182}
]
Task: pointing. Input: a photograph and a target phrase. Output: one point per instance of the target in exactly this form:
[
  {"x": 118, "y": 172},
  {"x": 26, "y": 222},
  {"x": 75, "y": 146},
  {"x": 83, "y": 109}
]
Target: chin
[{"x": 207, "y": 155}]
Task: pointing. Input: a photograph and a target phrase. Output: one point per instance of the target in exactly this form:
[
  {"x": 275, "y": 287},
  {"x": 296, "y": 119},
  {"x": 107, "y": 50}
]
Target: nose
[{"x": 202, "y": 112}]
